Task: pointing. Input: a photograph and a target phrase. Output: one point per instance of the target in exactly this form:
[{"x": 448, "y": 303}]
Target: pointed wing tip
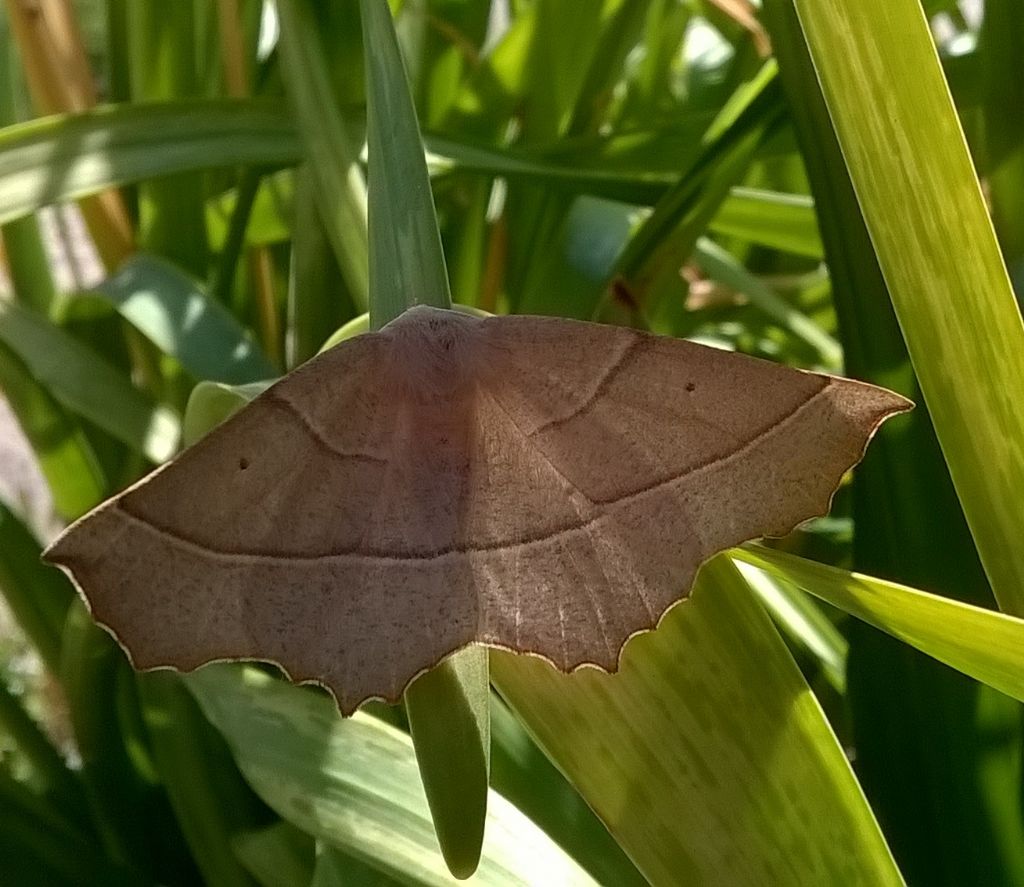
[
  {"x": 56, "y": 552},
  {"x": 897, "y": 403},
  {"x": 875, "y": 397},
  {"x": 64, "y": 559}
]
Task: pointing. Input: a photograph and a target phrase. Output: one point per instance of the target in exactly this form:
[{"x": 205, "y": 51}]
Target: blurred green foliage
[{"x": 691, "y": 167}]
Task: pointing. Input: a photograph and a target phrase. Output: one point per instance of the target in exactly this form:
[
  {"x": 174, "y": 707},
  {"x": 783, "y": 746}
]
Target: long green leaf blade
[
  {"x": 936, "y": 247},
  {"x": 406, "y": 260},
  {"x": 61, "y": 158},
  {"x": 938, "y": 754},
  {"x": 332, "y": 150},
  {"x": 353, "y": 783},
  {"x": 86, "y": 384},
  {"x": 987, "y": 645},
  {"x": 66, "y": 458},
  {"x": 736, "y": 787},
  {"x": 448, "y": 707},
  {"x": 180, "y": 318}
]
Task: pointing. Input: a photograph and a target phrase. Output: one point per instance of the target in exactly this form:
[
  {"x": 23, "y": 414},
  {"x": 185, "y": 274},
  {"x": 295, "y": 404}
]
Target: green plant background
[{"x": 799, "y": 182}]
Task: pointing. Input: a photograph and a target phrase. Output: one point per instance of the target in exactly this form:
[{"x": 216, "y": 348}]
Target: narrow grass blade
[
  {"x": 1001, "y": 41},
  {"x": 985, "y": 644},
  {"x": 635, "y": 185},
  {"x": 318, "y": 302},
  {"x": 39, "y": 847},
  {"x": 669, "y": 233},
  {"x": 332, "y": 151},
  {"x": 406, "y": 260},
  {"x": 91, "y": 668},
  {"x": 31, "y": 277},
  {"x": 209, "y": 797},
  {"x": 49, "y": 771},
  {"x": 720, "y": 265},
  {"x": 164, "y": 66},
  {"x": 803, "y": 623}
]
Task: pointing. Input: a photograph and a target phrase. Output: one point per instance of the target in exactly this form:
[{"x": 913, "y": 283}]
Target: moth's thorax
[{"x": 435, "y": 352}]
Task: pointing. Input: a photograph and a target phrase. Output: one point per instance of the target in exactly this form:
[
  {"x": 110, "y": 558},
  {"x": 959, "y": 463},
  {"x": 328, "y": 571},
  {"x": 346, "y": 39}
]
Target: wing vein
[
  {"x": 602, "y": 386},
  {"x": 273, "y": 398}
]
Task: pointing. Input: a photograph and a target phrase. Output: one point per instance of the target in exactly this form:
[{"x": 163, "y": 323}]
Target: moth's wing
[
  {"x": 541, "y": 484},
  {"x": 629, "y": 459},
  {"x": 293, "y": 533}
]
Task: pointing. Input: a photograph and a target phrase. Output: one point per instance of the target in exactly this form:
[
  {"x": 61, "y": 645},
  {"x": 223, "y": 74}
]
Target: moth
[{"x": 537, "y": 484}]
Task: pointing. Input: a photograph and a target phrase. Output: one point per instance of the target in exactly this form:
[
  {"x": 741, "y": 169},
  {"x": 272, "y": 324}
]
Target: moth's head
[{"x": 435, "y": 349}]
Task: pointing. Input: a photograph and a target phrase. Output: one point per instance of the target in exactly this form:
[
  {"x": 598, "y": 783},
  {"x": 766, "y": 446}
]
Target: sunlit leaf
[{"x": 354, "y": 783}]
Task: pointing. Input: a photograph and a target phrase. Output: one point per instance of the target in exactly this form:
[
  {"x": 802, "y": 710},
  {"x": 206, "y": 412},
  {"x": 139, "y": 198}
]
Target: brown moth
[{"x": 537, "y": 484}]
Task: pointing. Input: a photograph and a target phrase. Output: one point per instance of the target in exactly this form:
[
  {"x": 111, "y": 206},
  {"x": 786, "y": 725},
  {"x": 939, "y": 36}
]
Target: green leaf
[
  {"x": 786, "y": 222},
  {"x": 936, "y": 247},
  {"x": 66, "y": 457},
  {"x": 1000, "y": 43},
  {"x": 92, "y": 668},
  {"x": 31, "y": 278},
  {"x": 61, "y": 158},
  {"x": 720, "y": 265},
  {"x": 210, "y": 799},
  {"x": 521, "y": 773},
  {"x": 450, "y": 725},
  {"x": 406, "y": 260},
  {"x": 667, "y": 236},
  {"x": 88, "y": 385},
  {"x": 803, "y": 623},
  {"x": 619, "y": 30},
  {"x": 176, "y": 315},
  {"x": 162, "y": 43},
  {"x": 332, "y": 150},
  {"x": 736, "y": 785},
  {"x": 935, "y": 765},
  {"x": 449, "y": 706},
  {"x": 38, "y": 595},
  {"x": 336, "y": 869},
  {"x": 29, "y": 266},
  {"x": 576, "y": 175},
  {"x": 277, "y": 856},
  {"x": 985, "y": 644},
  {"x": 353, "y": 783},
  {"x": 210, "y": 403}
]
